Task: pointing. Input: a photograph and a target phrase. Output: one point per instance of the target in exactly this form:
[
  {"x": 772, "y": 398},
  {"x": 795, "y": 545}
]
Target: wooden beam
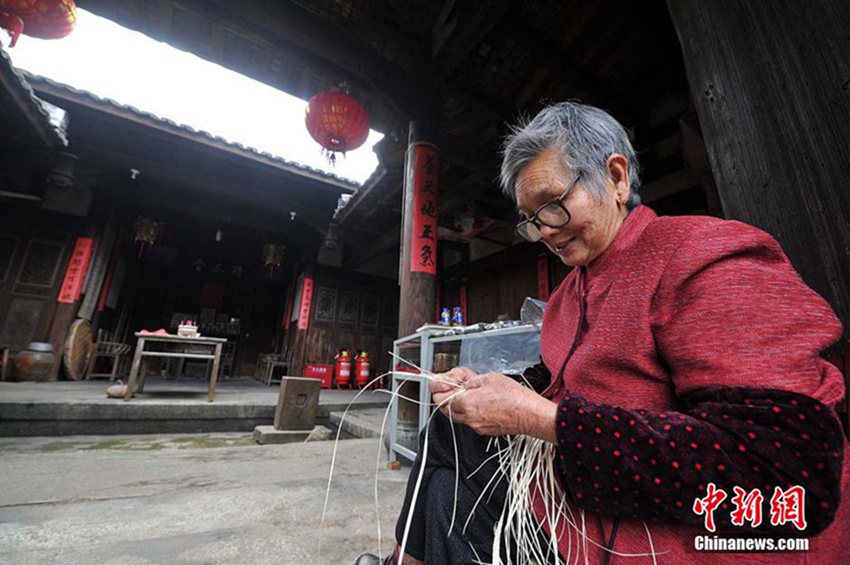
[
  {"x": 568, "y": 69},
  {"x": 473, "y": 26},
  {"x": 443, "y": 27},
  {"x": 391, "y": 239},
  {"x": 469, "y": 157},
  {"x": 366, "y": 191},
  {"x": 666, "y": 186}
]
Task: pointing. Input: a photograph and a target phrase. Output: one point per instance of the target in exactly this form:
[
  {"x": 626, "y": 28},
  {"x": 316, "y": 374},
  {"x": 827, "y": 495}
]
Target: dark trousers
[{"x": 430, "y": 538}]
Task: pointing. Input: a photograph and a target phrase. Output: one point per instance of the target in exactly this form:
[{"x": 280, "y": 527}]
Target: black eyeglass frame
[{"x": 534, "y": 220}]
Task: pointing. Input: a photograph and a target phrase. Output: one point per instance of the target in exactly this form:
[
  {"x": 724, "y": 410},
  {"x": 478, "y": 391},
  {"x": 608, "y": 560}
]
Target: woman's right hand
[{"x": 450, "y": 380}]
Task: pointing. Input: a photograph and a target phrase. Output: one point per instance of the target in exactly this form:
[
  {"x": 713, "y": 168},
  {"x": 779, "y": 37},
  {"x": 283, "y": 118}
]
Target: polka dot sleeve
[{"x": 654, "y": 465}]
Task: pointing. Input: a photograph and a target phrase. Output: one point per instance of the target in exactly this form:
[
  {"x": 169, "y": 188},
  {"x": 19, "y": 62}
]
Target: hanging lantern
[
  {"x": 44, "y": 19},
  {"x": 273, "y": 255},
  {"x": 62, "y": 174},
  {"x": 337, "y": 122},
  {"x": 146, "y": 231}
]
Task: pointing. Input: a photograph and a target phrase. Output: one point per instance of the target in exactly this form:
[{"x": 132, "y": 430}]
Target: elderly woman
[{"x": 681, "y": 390}]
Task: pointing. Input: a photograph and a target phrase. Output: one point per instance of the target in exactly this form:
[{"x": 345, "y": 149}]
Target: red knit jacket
[{"x": 688, "y": 355}]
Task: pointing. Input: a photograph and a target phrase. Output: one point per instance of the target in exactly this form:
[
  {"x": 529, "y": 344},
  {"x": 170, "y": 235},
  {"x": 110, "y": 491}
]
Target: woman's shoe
[{"x": 369, "y": 559}]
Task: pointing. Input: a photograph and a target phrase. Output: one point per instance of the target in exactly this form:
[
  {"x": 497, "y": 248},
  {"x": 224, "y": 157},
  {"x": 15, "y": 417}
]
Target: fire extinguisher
[
  {"x": 343, "y": 368},
  {"x": 361, "y": 369}
]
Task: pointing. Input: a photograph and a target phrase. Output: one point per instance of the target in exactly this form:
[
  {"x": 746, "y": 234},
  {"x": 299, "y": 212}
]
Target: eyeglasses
[{"x": 553, "y": 214}]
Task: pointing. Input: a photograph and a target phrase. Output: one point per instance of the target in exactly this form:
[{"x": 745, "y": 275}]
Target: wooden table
[{"x": 175, "y": 347}]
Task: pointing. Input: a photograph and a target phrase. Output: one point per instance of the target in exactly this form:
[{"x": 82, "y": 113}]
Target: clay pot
[{"x": 35, "y": 363}]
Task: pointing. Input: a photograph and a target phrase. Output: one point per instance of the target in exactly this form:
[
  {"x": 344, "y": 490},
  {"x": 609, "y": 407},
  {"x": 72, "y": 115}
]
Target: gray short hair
[{"x": 586, "y": 136}]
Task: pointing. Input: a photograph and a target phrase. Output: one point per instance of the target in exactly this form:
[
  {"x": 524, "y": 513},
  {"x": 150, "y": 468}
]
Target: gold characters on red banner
[{"x": 426, "y": 169}]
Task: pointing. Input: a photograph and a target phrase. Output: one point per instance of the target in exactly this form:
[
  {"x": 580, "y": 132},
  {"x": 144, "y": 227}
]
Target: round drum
[{"x": 77, "y": 348}]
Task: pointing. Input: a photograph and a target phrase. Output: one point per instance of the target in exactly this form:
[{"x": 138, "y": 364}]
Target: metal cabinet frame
[{"x": 428, "y": 338}]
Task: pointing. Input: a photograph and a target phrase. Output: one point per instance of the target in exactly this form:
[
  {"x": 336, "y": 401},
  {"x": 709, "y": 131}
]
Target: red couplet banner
[
  {"x": 306, "y": 301},
  {"x": 72, "y": 284},
  {"x": 425, "y": 163}
]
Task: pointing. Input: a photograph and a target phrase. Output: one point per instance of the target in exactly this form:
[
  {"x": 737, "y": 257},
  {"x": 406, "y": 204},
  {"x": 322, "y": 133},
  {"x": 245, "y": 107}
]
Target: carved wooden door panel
[{"x": 30, "y": 276}]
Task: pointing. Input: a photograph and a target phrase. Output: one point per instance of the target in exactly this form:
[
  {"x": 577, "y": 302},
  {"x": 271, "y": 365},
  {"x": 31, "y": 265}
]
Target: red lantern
[
  {"x": 44, "y": 19},
  {"x": 337, "y": 121}
]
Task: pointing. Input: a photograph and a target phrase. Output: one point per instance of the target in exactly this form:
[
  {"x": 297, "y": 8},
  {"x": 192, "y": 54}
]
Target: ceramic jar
[{"x": 35, "y": 363}]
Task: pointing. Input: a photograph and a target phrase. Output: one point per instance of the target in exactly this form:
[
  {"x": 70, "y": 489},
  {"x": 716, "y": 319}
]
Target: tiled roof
[
  {"x": 46, "y": 85},
  {"x": 33, "y": 110}
]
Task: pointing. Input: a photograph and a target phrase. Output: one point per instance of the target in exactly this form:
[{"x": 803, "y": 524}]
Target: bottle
[
  {"x": 457, "y": 316},
  {"x": 445, "y": 317}
]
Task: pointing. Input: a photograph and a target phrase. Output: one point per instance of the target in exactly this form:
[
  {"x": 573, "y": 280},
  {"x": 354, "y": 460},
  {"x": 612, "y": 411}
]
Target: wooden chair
[
  {"x": 116, "y": 356},
  {"x": 268, "y": 363}
]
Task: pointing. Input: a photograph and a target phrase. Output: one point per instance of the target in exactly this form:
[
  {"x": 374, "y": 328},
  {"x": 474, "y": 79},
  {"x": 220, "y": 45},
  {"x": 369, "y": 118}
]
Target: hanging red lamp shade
[
  {"x": 44, "y": 19},
  {"x": 337, "y": 122}
]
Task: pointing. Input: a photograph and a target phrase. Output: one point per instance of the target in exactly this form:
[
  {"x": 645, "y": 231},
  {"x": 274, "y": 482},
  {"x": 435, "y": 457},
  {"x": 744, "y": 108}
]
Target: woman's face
[{"x": 594, "y": 222}]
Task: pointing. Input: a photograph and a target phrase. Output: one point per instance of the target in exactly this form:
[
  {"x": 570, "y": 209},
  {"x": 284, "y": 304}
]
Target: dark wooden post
[
  {"x": 771, "y": 83},
  {"x": 418, "y": 288},
  {"x": 299, "y": 343}
]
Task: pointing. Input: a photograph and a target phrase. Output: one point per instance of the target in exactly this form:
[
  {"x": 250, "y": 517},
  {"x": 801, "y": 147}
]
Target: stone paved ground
[{"x": 200, "y": 499}]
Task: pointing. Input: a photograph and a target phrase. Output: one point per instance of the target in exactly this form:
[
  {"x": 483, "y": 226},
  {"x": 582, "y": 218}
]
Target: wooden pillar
[
  {"x": 302, "y": 326},
  {"x": 65, "y": 313},
  {"x": 418, "y": 287},
  {"x": 418, "y": 266},
  {"x": 771, "y": 83}
]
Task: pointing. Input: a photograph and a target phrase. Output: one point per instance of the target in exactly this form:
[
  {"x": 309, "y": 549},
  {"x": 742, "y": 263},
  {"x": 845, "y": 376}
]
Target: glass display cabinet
[{"x": 436, "y": 349}]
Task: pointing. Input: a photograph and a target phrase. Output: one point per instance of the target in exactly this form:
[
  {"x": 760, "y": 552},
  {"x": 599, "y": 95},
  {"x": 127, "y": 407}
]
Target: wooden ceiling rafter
[
  {"x": 394, "y": 45},
  {"x": 568, "y": 70},
  {"x": 365, "y": 253},
  {"x": 365, "y": 193},
  {"x": 481, "y": 18}
]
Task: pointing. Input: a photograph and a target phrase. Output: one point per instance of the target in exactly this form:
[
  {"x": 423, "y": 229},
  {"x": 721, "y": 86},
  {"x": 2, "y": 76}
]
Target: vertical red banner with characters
[
  {"x": 306, "y": 301},
  {"x": 543, "y": 278},
  {"x": 72, "y": 284},
  {"x": 425, "y": 167}
]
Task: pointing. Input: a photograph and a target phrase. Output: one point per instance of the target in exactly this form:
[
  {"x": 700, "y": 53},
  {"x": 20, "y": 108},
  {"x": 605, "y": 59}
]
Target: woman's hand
[
  {"x": 493, "y": 404},
  {"x": 452, "y": 380}
]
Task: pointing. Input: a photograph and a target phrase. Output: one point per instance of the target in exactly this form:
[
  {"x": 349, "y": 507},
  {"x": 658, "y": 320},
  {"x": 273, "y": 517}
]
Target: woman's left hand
[{"x": 493, "y": 404}]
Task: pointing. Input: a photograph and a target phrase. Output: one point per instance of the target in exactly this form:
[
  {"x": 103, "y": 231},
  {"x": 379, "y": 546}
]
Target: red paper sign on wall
[
  {"x": 306, "y": 301},
  {"x": 425, "y": 168},
  {"x": 75, "y": 275}
]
